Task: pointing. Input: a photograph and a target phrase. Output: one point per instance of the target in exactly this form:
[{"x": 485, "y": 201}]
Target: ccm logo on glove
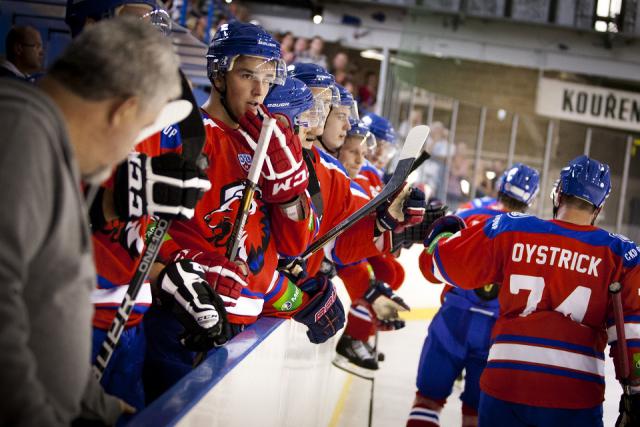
[{"x": 330, "y": 301}]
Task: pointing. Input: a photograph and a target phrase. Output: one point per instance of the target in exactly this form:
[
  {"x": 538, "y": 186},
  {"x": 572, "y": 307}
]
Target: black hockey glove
[
  {"x": 323, "y": 314},
  {"x": 295, "y": 268},
  {"x": 629, "y": 411},
  {"x": 417, "y": 233},
  {"x": 199, "y": 309},
  {"x": 386, "y": 304},
  {"x": 168, "y": 186}
]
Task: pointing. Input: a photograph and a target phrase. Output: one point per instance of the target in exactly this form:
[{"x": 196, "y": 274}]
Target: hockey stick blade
[{"x": 411, "y": 149}]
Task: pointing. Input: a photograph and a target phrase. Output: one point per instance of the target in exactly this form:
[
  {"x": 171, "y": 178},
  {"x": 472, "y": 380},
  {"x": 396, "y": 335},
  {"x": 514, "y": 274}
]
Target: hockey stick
[
  {"x": 193, "y": 138},
  {"x": 410, "y": 150},
  {"x": 259, "y": 156},
  {"x": 621, "y": 342},
  {"x": 373, "y": 380}
]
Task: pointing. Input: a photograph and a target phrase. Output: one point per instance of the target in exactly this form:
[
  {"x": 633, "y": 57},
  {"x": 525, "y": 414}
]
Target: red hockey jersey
[
  {"x": 549, "y": 340},
  {"x": 341, "y": 197},
  {"x": 268, "y": 230}
]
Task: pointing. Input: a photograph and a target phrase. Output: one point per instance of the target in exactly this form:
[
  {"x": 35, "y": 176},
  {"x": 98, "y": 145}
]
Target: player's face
[
  {"x": 336, "y": 127},
  {"x": 247, "y": 84},
  {"x": 323, "y": 96},
  {"x": 352, "y": 154},
  {"x": 382, "y": 154}
]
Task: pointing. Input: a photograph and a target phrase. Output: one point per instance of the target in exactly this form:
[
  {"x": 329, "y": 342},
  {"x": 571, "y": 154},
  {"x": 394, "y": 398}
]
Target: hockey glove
[
  {"x": 386, "y": 304},
  {"x": 323, "y": 313},
  {"x": 167, "y": 186},
  {"x": 328, "y": 268},
  {"x": 407, "y": 208},
  {"x": 417, "y": 233},
  {"x": 295, "y": 268},
  {"x": 184, "y": 290},
  {"x": 442, "y": 228},
  {"x": 284, "y": 173},
  {"x": 629, "y": 410},
  {"x": 226, "y": 277}
]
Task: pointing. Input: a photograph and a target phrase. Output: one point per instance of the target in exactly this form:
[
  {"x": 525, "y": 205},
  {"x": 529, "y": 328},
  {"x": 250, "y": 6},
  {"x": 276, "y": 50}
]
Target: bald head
[{"x": 24, "y": 49}]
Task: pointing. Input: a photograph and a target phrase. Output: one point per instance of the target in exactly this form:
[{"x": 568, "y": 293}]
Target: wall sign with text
[{"x": 588, "y": 104}]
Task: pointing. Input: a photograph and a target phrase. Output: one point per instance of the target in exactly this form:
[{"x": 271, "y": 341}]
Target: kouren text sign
[{"x": 588, "y": 104}]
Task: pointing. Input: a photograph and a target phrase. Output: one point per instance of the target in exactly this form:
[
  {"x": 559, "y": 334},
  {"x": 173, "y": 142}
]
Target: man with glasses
[{"x": 24, "y": 53}]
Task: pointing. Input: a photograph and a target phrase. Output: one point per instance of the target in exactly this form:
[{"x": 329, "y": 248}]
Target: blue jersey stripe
[
  {"x": 546, "y": 370},
  {"x": 276, "y": 288},
  {"x": 479, "y": 211},
  {"x": 247, "y": 292},
  {"x": 436, "y": 257},
  {"x": 103, "y": 283},
  {"x": 551, "y": 343}
]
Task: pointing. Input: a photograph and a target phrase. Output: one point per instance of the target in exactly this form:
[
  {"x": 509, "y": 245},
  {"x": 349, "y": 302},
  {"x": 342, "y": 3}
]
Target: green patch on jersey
[
  {"x": 291, "y": 299},
  {"x": 636, "y": 364}
]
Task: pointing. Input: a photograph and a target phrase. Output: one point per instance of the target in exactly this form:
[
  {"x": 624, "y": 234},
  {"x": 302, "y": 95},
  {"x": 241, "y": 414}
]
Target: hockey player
[
  {"x": 386, "y": 137},
  {"x": 546, "y": 361},
  {"x": 460, "y": 332},
  {"x": 243, "y": 64},
  {"x": 338, "y": 122},
  {"x": 340, "y": 196}
]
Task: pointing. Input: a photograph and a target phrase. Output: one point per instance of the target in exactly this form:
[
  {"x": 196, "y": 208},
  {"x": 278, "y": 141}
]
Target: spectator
[
  {"x": 314, "y": 54},
  {"x": 286, "y": 47},
  {"x": 84, "y": 117},
  {"x": 367, "y": 92},
  {"x": 300, "y": 47},
  {"x": 24, "y": 53},
  {"x": 340, "y": 63}
]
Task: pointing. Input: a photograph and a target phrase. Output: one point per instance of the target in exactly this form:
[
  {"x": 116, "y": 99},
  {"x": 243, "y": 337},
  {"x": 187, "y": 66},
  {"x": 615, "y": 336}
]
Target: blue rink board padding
[{"x": 173, "y": 405}]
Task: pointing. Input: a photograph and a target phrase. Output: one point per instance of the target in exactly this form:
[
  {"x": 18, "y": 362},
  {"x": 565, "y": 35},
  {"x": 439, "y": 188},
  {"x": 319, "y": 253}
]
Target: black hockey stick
[
  {"x": 410, "y": 150},
  {"x": 193, "y": 139},
  {"x": 251, "y": 183}
]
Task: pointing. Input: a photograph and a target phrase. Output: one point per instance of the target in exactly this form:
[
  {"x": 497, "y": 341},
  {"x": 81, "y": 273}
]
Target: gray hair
[{"x": 120, "y": 57}]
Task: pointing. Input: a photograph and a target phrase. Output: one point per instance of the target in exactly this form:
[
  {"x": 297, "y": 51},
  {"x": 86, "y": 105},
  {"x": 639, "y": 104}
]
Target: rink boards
[{"x": 269, "y": 375}]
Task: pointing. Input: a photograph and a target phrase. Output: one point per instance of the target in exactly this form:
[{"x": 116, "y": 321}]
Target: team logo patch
[{"x": 245, "y": 161}]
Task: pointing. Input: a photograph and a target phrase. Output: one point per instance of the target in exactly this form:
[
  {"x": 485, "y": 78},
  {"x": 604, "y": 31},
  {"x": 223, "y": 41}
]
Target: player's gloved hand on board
[
  {"x": 407, "y": 208},
  {"x": 323, "y": 313},
  {"x": 385, "y": 304},
  {"x": 168, "y": 186},
  {"x": 629, "y": 410},
  {"x": 441, "y": 228},
  {"x": 226, "y": 277},
  {"x": 184, "y": 290},
  {"x": 417, "y": 233},
  {"x": 284, "y": 173}
]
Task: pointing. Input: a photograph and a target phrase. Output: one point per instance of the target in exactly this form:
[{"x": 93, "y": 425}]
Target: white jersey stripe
[
  {"x": 631, "y": 332},
  {"x": 116, "y": 294},
  {"x": 546, "y": 356}
]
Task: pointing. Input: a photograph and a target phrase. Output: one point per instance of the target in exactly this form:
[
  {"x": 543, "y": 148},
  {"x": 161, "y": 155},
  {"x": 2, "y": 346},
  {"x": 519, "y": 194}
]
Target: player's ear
[
  {"x": 123, "y": 111},
  {"x": 282, "y": 119},
  {"x": 595, "y": 215}
]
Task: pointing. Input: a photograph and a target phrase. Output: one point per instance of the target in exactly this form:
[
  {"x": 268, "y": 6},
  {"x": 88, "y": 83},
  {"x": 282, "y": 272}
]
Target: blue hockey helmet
[
  {"x": 315, "y": 76},
  {"x": 347, "y": 100},
  {"x": 295, "y": 101},
  {"x": 380, "y": 127},
  {"x": 238, "y": 38},
  {"x": 78, "y": 11},
  {"x": 586, "y": 179},
  {"x": 358, "y": 128},
  {"x": 520, "y": 182}
]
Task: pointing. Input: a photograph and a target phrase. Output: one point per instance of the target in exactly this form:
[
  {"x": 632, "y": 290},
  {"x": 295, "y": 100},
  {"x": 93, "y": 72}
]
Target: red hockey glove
[
  {"x": 226, "y": 277},
  {"x": 284, "y": 173},
  {"x": 407, "y": 208}
]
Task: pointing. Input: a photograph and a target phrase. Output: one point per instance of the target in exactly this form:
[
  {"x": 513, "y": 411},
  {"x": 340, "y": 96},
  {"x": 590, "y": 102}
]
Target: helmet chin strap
[
  {"x": 332, "y": 152},
  {"x": 223, "y": 101}
]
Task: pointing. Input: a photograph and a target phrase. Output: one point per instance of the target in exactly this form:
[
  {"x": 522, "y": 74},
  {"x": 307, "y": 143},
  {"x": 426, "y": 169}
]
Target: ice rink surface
[{"x": 395, "y": 381}]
